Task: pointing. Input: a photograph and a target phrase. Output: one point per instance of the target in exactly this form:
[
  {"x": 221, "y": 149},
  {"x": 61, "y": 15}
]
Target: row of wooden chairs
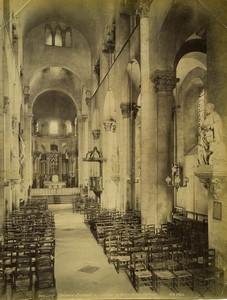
[
  {"x": 175, "y": 254},
  {"x": 28, "y": 249}
]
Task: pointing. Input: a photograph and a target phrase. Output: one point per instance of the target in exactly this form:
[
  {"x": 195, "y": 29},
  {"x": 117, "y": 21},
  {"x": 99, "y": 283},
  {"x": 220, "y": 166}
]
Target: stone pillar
[
  {"x": 107, "y": 197},
  {"x": 127, "y": 181},
  {"x": 85, "y": 137},
  {"x": 2, "y": 144},
  {"x": 28, "y": 147},
  {"x": 164, "y": 83},
  {"x": 148, "y": 126},
  {"x": 80, "y": 149}
]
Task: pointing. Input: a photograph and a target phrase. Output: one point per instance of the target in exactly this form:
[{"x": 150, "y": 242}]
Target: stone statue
[{"x": 211, "y": 148}]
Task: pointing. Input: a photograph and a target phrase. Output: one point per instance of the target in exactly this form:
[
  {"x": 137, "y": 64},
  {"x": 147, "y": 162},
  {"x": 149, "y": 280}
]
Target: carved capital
[
  {"x": 144, "y": 8},
  {"x": 125, "y": 109},
  {"x": 96, "y": 134},
  {"x": 164, "y": 81},
  {"x": 110, "y": 125}
]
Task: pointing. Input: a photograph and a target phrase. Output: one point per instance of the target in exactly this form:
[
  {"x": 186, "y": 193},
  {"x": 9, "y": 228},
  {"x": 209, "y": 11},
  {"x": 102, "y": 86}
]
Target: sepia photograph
[{"x": 113, "y": 158}]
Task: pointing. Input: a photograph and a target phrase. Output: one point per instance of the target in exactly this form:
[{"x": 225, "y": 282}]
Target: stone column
[
  {"x": 28, "y": 147},
  {"x": 127, "y": 181},
  {"x": 2, "y": 144},
  {"x": 80, "y": 149},
  {"x": 164, "y": 83},
  {"x": 107, "y": 197},
  {"x": 148, "y": 125},
  {"x": 85, "y": 137}
]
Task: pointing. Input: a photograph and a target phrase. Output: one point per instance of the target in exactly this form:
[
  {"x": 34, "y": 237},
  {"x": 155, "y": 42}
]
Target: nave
[{"x": 76, "y": 249}]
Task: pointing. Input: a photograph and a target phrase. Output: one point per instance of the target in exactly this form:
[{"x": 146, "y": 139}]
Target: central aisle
[{"x": 81, "y": 268}]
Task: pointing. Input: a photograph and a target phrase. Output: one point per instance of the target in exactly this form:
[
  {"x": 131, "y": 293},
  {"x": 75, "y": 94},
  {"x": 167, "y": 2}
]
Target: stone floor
[{"x": 82, "y": 269}]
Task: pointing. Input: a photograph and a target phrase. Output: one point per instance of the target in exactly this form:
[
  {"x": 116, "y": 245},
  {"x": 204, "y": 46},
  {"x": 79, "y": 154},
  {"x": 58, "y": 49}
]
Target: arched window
[
  {"x": 48, "y": 36},
  {"x": 68, "y": 37},
  {"x": 53, "y": 127},
  {"x": 58, "y": 37},
  {"x": 201, "y": 109},
  {"x": 68, "y": 125}
]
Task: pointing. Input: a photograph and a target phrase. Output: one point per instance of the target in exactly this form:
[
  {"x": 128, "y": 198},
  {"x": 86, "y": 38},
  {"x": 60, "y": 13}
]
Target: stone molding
[
  {"x": 164, "y": 81},
  {"x": 110, "y": 125},
  {"x": 96, "y": 133},
  {"x": 144, "y": 8}
]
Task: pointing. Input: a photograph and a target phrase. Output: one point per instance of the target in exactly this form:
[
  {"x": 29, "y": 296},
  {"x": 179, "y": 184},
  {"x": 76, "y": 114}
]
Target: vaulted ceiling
[{"x": 87, "y": 16}]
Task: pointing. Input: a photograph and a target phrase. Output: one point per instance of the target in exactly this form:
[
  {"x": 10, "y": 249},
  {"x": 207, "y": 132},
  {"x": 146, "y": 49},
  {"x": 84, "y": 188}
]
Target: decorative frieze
[
  {"x": 110, "y": 125},
  {"x": 96, "y": 134},
  {"x": 164, "y": 81},
  {"x": 144, "y": 8}
]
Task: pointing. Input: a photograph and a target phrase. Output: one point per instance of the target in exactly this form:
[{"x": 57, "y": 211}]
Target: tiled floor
[{"x": 82, "y": 269}]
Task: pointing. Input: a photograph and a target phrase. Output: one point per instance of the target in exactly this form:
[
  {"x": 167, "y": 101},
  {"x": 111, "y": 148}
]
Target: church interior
[{"x": 113, "y": 162}]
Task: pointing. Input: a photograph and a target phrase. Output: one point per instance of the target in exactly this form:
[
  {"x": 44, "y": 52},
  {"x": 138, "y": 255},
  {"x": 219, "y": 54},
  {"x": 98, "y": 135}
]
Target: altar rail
[{"x": 54, "y": 191}]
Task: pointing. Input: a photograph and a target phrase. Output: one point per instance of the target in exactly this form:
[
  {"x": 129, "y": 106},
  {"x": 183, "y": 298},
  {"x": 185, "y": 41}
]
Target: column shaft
[{"x": 148, "y": 132}]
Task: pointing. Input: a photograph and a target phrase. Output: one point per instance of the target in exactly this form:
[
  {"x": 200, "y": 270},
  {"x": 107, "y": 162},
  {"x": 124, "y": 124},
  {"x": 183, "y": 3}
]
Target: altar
[{"x": 54, "y": 184}]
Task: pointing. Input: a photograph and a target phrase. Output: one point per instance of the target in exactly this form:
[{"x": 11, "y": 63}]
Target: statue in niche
[{"x": 211, "y": 148}]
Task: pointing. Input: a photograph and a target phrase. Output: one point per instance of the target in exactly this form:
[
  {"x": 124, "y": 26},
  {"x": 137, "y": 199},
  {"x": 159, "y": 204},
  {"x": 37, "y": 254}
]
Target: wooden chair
[
  {"x": 204, "y": 277},
  {"x": 45, "y": 277},
  {"x": 140, "y": 275}
]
